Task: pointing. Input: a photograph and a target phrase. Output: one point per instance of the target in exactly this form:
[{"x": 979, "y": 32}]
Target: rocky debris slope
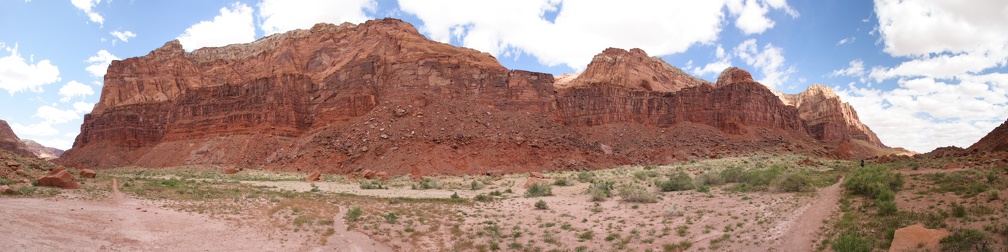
[
  {"x": 995, "y": 141},
  {"x": 381, "y": 96},
  {"x": 10, "y": 142},
  {"x": 42, "y": 151}
]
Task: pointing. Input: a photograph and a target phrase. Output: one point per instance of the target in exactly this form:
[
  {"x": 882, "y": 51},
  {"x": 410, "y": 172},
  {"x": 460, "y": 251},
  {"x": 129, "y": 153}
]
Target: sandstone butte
[{"x": 381, "y": 96}]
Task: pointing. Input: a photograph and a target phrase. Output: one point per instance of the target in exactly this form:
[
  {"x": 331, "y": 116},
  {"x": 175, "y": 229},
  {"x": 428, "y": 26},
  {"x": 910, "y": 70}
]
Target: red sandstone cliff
[
  {"x": 381, "y": 96},
  {"x": 10, "y": 142}
]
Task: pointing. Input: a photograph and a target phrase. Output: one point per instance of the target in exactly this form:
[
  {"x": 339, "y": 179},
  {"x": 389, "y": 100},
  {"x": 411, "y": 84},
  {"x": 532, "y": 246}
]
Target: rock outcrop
[
  {"x": 59, "y": 177},
  {"x": 382, "y": 97},
  {"x": 10, "y": 141},
  {"x": 917, "y": 238},
  {"x": 828, "y": 118},
  {"x": 995, "y": 141}
]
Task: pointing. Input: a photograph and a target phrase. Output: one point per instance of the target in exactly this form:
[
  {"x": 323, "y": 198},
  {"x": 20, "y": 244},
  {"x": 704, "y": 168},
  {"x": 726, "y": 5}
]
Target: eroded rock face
[
  {"x": 10, "y": 142},
  {"x": 380, "y": 96},
  {"x": 732, "y": 75},
  {"x": 43, "y": 152},
  {"x": 828, "y": 118}
]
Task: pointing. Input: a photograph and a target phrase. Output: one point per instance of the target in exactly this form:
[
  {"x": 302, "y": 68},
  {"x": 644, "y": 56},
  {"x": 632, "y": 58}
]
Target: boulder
[
  {"x": 59, "y": 178},
  {"x": 537, "y": 175},
  {"x": 531, "y": 181},
  {"x": 314, "y": 176},
  {"x": 368, "y": 174},
  {"x": 917, "y": 238},
  {"x": 952, "y": 166},
  {"x": 382, "y": 175},
  {"x": 13, "y": 164},
  {"x": 88, "y": 173},
  {"x": 231, "y": 170},
  {"x": 6, "y": 189}
]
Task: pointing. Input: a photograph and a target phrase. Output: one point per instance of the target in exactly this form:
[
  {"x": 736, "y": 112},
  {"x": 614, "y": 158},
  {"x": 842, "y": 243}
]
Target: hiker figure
[{"x": 862, "y": 163}]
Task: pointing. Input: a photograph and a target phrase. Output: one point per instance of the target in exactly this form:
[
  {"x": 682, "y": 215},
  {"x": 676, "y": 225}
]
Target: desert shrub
[
  {"x": 561, "y": 182},
  {"x": 678, "y": 182},
  {"x": 851, "y": 241},
  {"x": 886, "y": 207},
  {"x": 873, "y": 181},
  {"x": 958, "y": 210},
  {"x": 708, "y": 179},
  {"x": 762, "y": 177},
  {"x": 496, "y": 193},
  {"x": 426, "y": 183},
  {"x": 391, "y": 217},
  {"x": 642, "y": 175},
  {"x": 585, "y": 176},
  {"x": 677, "y": 247},
  {"x": 636, "y": 193},
  {"x": 455, "y": 195},
  {"x": 732, "y": 174},
  {"x": 4, "y": 181},
  {"x": 538, "y": 190},
  {"x": 600, "y": 190},
  {"x": 587, "y": 235},
  {"x": 371, "y": 184},
  {"x": 966, "y": 240},
  {"x": 541, "y": 204},
  {"x": 475, "y": 185},
  {"x": 354, "y": 213},
  {"x": 796, "y": 182},
  {"x": 482, "y": 198}
]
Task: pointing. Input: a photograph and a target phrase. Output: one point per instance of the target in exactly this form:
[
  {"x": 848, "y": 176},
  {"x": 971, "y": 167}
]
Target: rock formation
[
  {"x": 10, "y": 142},
  {"x": 828, "y": 118},
  {"x": 42, "y": 151},
  {"x": 995, "y": 141},
  {"x": 380, "y": 96}
]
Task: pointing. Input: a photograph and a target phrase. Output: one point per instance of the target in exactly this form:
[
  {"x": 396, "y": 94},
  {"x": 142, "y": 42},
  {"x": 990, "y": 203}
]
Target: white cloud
[
  {"x": 124, "y": 36},
  {"x": 17, "y": 75},
  {"x": 845, "y": 41},
  {"x": 83, "y": 107},
  {"x": 99, "y": 63},
  {"x": 855, "y": 68},
  {"x": 74, "y": 89},
  {"x": 580, "y": 30},
  {"x": 54, "y": 115},
  {"x": 769, "y": 61},
  {"x": 278, "y": 16},
  {"x": 722, "y": 62},
  {"x": 88, "y": 7},
  {"x": 234, "y": 25},
  {"x": 918, "y": 28},
  {"x": 38, "y": 129},
  {"x": 752, "y": 14}
]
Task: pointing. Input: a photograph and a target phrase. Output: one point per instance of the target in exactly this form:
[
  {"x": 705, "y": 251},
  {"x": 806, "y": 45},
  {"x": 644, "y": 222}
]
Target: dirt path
[
  {"x": 126, "y": 224},
  {"x": 800, "y": 233}
]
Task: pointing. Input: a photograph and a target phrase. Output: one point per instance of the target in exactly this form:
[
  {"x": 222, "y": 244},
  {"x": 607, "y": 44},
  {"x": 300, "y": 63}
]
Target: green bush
[
  {"x": 371, "y": 184},
  {"x": 391, "y": 217},
  {"x": 677, "y": 247},
  {"x": 541, "y": 204},
  {"x": 475, "y": 185},
  {"x": 642, "y": 175},
  {"x": 455, "y": 195},
  {"x": 851, "y": 241},
  {"x": 636, "y": 193},
  {"x": 482, "y": 198},
  {"x": 732, "y": 174},
  {"x": 600, "y": 190},
  {"x": 966, "y": 240},
  {"x": 873, "y": 181},
  {"x": 425, "y": 184},
  {"x": 796, "y": 182},
  {"x": 886, "y": 207},
  {"x": 538, "y": 190},
  {"x": 585, "y": 176},
  {"x": 354, "y": 213},
  {"x": 709, "y": 179},
  {"x": 678, "y": 182},
  {"x": 561, "y": 182}
]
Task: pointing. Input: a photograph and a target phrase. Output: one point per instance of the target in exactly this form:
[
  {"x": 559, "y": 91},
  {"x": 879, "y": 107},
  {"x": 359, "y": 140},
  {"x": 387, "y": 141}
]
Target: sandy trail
[
  {"x": 800, "y": 234},
  {"x": 126, "y": 224}
]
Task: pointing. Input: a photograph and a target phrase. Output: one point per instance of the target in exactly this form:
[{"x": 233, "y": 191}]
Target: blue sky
[{"x": 921, "y": 74}]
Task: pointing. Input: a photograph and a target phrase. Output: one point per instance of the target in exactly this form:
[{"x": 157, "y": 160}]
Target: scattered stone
[
  {"x": 383, "y": 176},
  {"x": 6, "y": 189},
  {"x": 531, "y": 181},
  {"x": 606, "y": 149},
  {"x": 13, "y": 164},
  {"x": 88, "y": 173},
  {"x": 230, "y": 170},
  {"x": 952, "y": 166},
  {"x": 537, "y": 175},
  {"x": 917, "y": 238},
  {"x": 59, "y": 177},
  {"x": 368, "y": 174},
  {"x": 315, "y": 176}
]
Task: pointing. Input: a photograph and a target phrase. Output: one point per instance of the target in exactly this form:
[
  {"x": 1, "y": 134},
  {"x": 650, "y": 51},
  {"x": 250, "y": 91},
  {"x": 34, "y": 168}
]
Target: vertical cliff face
[
  {"x": 829, "y": 119},
  {"x": 10, "y": 142},
  {"x": 379, "y": 95}
]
